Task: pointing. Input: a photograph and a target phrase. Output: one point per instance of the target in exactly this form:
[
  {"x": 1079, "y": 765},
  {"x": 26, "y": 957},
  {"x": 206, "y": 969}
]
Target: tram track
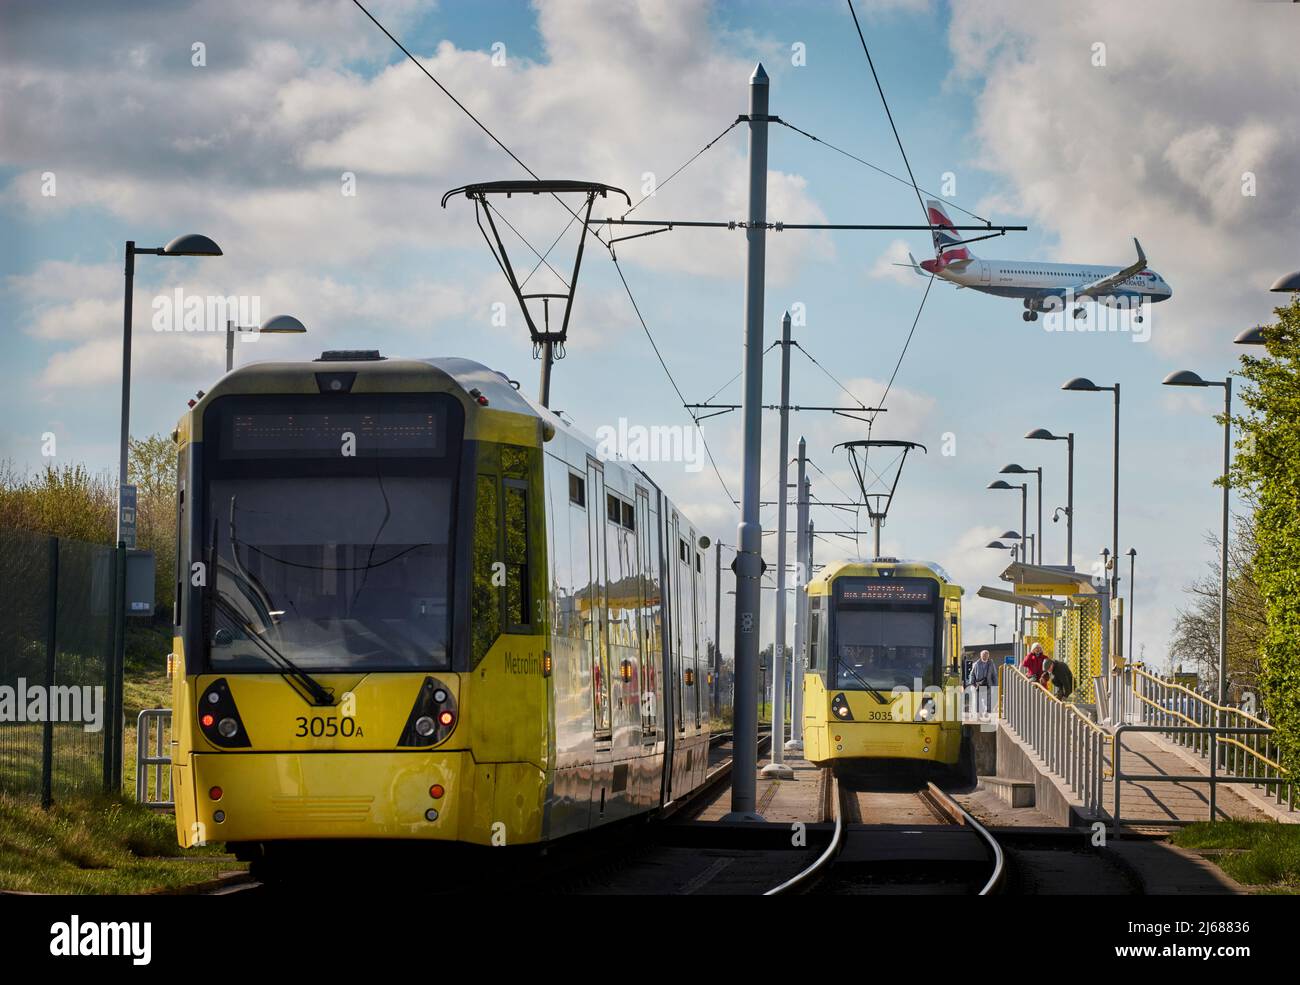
[{"x": 893, "y": 837}]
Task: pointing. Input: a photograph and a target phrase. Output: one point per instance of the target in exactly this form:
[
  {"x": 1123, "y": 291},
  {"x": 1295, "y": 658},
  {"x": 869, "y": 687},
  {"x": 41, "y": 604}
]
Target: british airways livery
[{"x": 1042, "y": 286}]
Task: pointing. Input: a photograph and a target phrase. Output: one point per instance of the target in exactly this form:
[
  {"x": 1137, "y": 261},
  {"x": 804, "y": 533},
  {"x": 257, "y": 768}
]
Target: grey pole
[
  {"x": 777, "y": 769},
  {"x": 1132, "y": 563},
  {"x": 1038, "y": 543},
  {"x": 749, "y": 533},
  {"x": 1069, "y": 501},
  {"x": 717, "y": 629},
  {"x": 548, "y": 358},
  {"x": 1114, "y": 585},
  {"x": 126, "y": 384},
  {"x": 798, "y": 661},
  {"x": 1223, "y": 558},
  {"x": 230, "y": 345}
]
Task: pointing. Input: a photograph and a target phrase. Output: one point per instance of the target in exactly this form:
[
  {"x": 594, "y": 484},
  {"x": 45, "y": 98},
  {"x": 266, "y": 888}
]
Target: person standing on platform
[
  {"x": 1033, "y": 665},
  {"x": 983, "y": 677}
]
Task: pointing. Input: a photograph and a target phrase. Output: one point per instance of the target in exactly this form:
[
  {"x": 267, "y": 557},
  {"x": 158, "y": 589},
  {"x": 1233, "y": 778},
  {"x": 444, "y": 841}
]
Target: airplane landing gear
[
  {"x": 1078, "y": 312},
  {"x": 1030, "y": 316}
]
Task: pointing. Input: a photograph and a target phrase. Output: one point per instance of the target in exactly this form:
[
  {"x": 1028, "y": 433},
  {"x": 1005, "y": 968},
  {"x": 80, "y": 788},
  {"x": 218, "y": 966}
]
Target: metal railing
[
  {"x": 1234, "y": 741},
  {"x": 1071, "y": 744},
  {"x": 1216, "y": 735},
  {"x": 155, "y": 723}
]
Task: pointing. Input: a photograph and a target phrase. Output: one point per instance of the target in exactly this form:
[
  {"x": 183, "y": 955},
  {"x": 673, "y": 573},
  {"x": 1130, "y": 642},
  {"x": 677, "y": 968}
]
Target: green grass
[
  {"x": 1263, "y": 855},
  {"x": 97, "y": 845}
]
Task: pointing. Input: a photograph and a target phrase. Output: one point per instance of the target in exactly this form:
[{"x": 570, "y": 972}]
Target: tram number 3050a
[{"x": 328, "y": 727}]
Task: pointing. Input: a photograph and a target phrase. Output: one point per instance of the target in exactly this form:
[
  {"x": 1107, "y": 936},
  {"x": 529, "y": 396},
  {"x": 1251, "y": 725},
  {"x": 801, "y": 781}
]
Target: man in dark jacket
[{"x": 1058, "y": 677}]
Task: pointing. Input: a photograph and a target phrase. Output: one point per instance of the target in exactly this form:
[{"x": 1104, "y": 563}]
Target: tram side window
[
  {"x": 577, "y": 490},
  {"x": 485, "y": 623},
  {"x": 813, "y": 639},
  {"x": 518, "y": 604}
]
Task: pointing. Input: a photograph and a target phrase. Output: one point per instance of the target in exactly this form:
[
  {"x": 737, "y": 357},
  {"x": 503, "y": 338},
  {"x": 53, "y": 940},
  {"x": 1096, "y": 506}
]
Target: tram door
[
  {"x": 601, "y": 685},
  {"x": 645, "y": 621},
  {"x": 679, "y": 654}
]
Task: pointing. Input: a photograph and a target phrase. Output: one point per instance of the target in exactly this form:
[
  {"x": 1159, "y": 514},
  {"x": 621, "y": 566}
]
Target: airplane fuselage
[{"x": 1035, "y": 282}]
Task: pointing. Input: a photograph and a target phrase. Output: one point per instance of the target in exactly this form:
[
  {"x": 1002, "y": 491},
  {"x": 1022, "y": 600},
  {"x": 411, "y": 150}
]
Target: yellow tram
[
  {"x": 883, "y": 680},
  {"x": 413, "y": 604}
]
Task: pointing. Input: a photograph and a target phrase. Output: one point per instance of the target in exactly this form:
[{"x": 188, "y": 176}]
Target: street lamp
[
  {"x": 189, "y": 245},
  {"x": 1014, "y": 469},
  {"x": 275, "y": 325},
  {"x": 995, "y": 633},
  {"x": 1186, "y": 377},
  {"x": 1024, "y": 502},
  {"x": 1042, "y": 434},
  {"x": 1085, "y": 385}
]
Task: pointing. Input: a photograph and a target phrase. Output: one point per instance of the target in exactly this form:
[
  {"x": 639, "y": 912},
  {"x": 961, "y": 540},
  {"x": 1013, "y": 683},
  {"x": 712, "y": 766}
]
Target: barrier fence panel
[
  {"x": 56, "y": 649},
  {"x": 1233, "y": 741},
  {"x": 153, "y": 769},
  {"x": 1070, "y": 743}
]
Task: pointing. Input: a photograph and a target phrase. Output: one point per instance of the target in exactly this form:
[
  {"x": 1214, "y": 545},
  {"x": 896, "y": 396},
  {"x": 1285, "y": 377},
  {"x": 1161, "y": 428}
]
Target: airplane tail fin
[{"x": 945, "y": 237}]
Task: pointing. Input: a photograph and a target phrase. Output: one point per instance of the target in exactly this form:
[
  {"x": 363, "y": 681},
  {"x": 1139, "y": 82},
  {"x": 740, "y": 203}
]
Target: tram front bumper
[{"x": 265, "y": 797}]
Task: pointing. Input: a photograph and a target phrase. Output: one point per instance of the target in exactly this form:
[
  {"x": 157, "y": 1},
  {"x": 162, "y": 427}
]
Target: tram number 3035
[{"x": 328, "y": 727}]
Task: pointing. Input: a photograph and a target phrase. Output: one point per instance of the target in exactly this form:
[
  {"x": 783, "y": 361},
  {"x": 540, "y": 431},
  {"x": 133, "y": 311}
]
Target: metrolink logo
[
  {"x": 656, "y": 443},
  {"x": 101, "y": 939},
  {"x": 181, "y": 312},
  {"x": 60, "y": 703}
]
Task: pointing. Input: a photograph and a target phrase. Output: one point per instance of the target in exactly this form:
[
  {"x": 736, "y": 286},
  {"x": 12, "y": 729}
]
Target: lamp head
[
  {"x": 1287, "y": 282},
  {"x": 1042, "y": 434},
  {"x": 1014, "y": 469},
  {"x": 1184, "y": 377},
  {"x": 1251, "y": 336},
  {"x": 282, "y": 325},
  {"x": 1080, "y": 383},
  {"x": 192, "y": 245},
  {"x": 1000, "y": 484}
]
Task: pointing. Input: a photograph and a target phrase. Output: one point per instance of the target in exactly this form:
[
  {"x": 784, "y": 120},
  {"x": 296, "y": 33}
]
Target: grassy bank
[
  {"x": 1260, "y": 854},
  {"x": 97, "y": 845}
]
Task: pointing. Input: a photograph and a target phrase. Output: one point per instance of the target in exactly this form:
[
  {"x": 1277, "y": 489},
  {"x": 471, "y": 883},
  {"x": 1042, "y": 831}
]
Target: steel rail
[{"x": 803, "y": 877}]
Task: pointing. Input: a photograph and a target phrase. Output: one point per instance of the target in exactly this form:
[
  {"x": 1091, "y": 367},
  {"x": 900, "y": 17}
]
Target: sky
[{"x": 1090, "y": 122}]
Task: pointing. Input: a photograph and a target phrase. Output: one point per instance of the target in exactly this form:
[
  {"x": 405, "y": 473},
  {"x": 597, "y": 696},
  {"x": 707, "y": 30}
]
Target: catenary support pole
[{"x": 749, "y": 539}]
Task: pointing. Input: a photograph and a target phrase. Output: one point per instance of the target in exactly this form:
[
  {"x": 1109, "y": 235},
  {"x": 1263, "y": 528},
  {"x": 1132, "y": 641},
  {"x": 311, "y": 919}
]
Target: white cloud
[
  {"x": 887, "y": 266},
  {"x": 1164, "y": 161}
]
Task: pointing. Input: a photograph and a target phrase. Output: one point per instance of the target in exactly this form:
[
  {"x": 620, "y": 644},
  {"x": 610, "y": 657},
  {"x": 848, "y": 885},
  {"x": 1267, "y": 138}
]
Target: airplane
[{"x": 1042, "y": 286}]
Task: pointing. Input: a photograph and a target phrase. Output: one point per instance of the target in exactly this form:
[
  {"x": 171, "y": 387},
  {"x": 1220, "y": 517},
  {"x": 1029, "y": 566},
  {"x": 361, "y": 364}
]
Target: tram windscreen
[
  {"x": 885, "y": 633},
  {"x": 328, "y": 527}
]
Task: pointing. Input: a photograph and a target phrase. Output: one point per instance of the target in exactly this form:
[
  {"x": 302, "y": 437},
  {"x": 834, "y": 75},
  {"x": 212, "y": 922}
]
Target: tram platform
[{"x": 805, "y": 797}]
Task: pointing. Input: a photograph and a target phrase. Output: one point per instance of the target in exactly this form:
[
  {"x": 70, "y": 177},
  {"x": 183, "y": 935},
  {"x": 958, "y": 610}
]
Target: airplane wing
[{"x": 1105, "y": 284}]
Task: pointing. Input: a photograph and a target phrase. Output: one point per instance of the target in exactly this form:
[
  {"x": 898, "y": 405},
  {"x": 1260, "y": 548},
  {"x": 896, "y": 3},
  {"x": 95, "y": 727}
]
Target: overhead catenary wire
[
  {"x": 691, "y": 160},
  {"x": 875, "y": 167},
  {"x": 659, "y": 355},
  {"x": 463, "y": 108},
  {"x": 885, "y": 102}
]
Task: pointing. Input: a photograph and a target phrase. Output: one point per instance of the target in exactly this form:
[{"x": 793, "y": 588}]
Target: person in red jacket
[{"x": 1033, "y": 665}]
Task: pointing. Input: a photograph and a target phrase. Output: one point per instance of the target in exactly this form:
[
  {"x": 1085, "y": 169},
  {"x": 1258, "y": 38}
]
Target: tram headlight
[
  {"x": 926, "y": 712},
  {"x": 228, "y": 727},
  {"x": 424, "y": 726}
]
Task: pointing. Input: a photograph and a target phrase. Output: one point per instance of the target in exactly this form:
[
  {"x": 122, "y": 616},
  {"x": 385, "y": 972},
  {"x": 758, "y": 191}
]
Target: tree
[
  {"x": 1267, "y": 465},
  {"x": 1195, "y": 642}
]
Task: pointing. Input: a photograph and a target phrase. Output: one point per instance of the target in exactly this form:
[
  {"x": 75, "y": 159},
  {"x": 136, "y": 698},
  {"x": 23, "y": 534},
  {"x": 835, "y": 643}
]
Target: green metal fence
[{"x": 59, "y": 718}]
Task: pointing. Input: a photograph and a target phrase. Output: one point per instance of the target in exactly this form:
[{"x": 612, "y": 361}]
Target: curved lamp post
[
  {"x": 1081, "y": 384},
  {"x": 275, "y": 325},
  {"x": 1014, "y": 469},
  {"x": 188, "y": 245},
  {"x": 1024, "y": 504},
  {"x": 1042, "y": 434},
  {"x": 1185, "y": 377}
]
